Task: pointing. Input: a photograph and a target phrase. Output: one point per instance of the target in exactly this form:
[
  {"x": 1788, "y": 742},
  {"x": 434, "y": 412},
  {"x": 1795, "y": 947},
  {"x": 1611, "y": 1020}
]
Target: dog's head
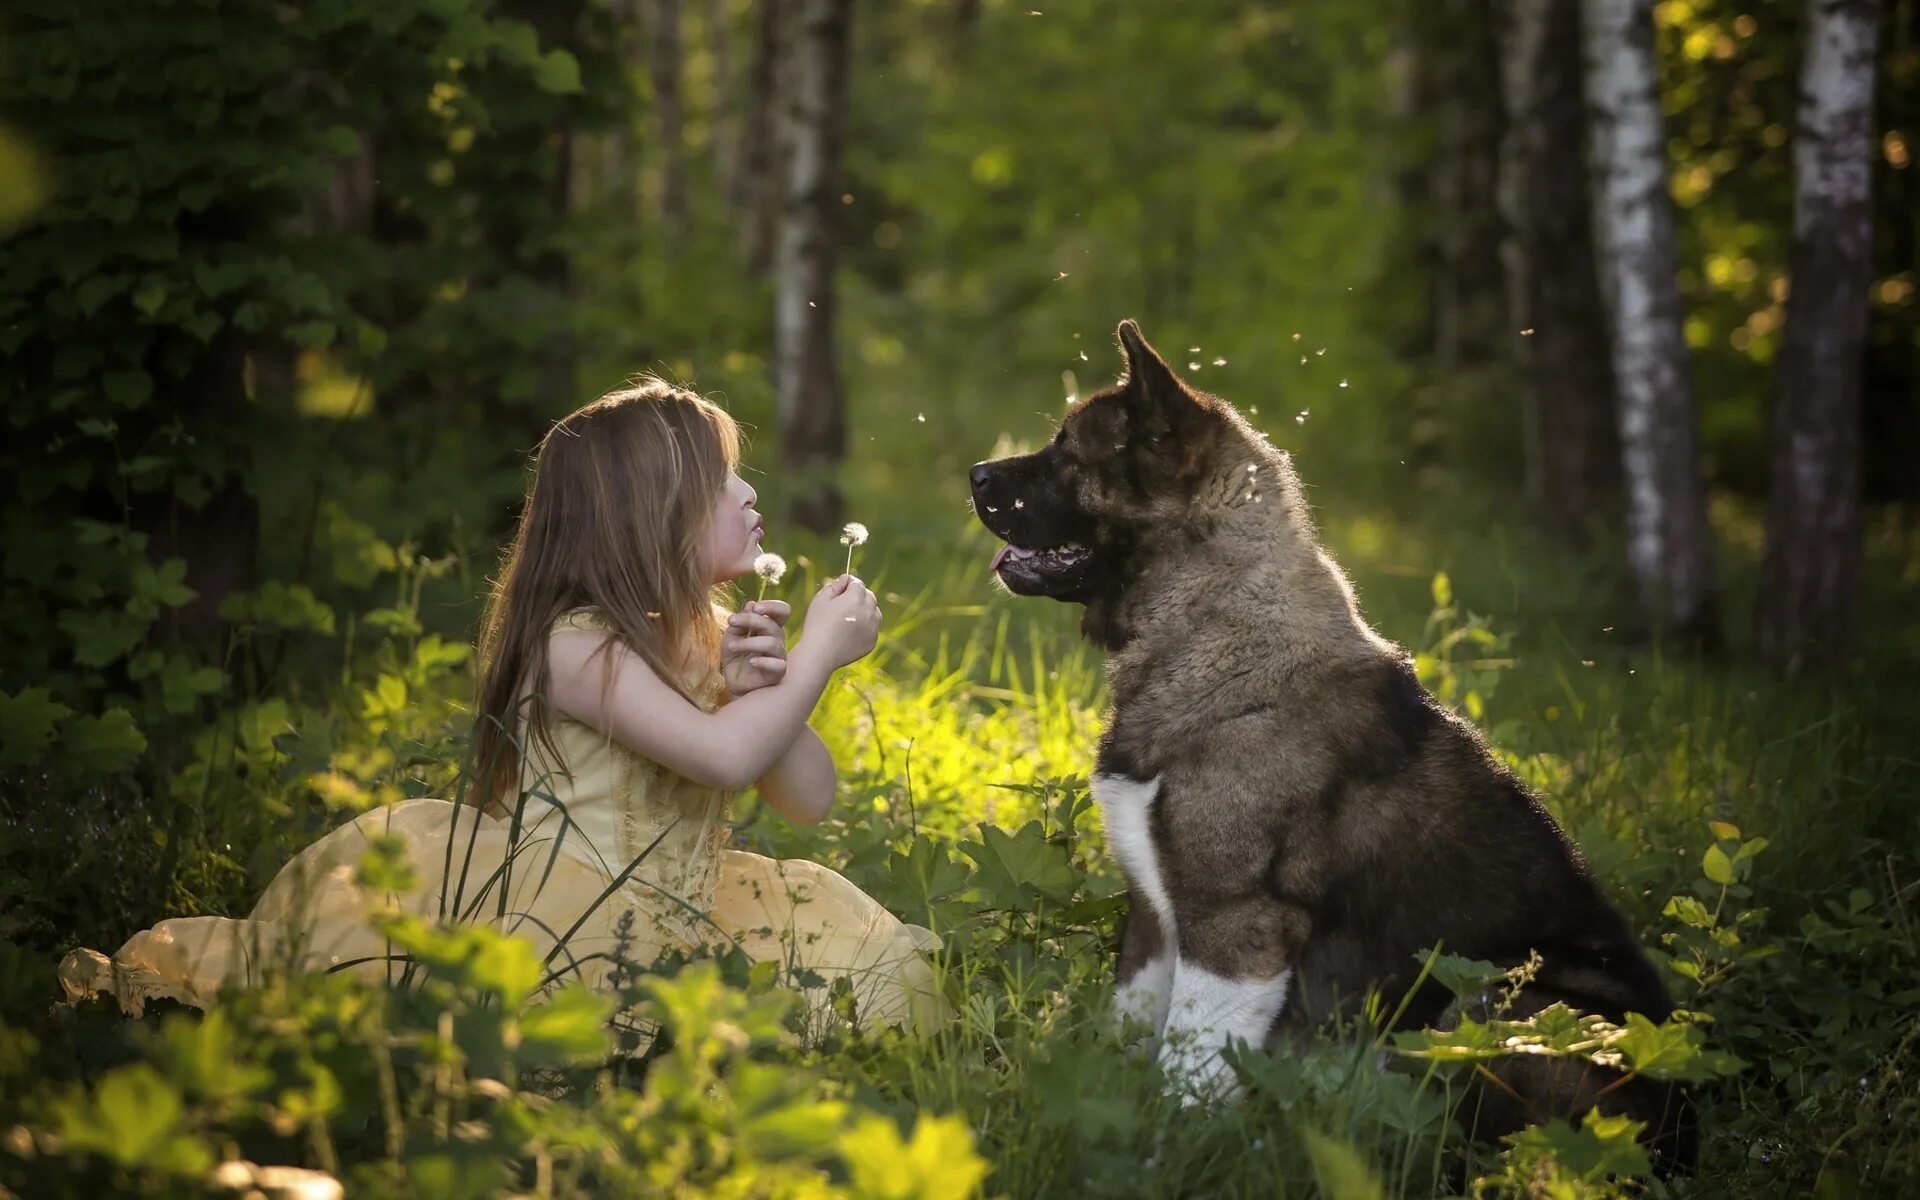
[{"x": 1120, "y": 482}]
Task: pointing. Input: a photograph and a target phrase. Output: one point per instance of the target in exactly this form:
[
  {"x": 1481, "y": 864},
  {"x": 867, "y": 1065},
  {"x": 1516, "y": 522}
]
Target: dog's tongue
[{"x": 1005, "y": 552}]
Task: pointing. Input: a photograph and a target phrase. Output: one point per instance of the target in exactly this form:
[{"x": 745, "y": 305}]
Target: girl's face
[{"x": 733, "y": 532}]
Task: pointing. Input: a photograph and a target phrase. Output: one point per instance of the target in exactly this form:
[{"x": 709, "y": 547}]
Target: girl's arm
[
  {"x": 800, "y": 785},
  {"x": 726, "y": 749},
  {"x": 741, "y": 742}
]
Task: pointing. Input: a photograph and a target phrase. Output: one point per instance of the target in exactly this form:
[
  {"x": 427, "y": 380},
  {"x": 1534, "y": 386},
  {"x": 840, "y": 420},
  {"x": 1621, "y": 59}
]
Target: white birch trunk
[
  {"x": 1668, "y": 542},
  {"x": 1812, "y": 563}
]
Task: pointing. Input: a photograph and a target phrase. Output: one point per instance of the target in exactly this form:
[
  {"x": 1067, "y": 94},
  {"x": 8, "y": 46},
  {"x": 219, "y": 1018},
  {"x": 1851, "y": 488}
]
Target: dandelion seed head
[
  {"x": 855, "y": 534},
  {"x": 769, "y": 567}
]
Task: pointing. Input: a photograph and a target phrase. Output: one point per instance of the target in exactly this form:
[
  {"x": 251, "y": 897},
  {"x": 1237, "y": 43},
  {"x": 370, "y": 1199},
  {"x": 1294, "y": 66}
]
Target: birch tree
[
  {"x": 760, "y": 182},
  {"x": 1668, "y": 543},
  {"x": 1572, "y": 450},
  {"x": 1812, "y": 565},
  {"x": 808, "y": 406}
]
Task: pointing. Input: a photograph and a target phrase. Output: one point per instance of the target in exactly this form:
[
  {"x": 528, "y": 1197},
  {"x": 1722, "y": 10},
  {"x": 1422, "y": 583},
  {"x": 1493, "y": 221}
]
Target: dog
[{"x": 1296, "y": 817}]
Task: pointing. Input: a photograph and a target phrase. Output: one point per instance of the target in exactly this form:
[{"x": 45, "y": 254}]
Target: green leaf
[
  {"x": 103, "y": 636},
  {"x": 27, "y": 722},
  {"x": 150, "y": 295},
  {"x": 558, "y": 73},
  {"x": 1464, "y": 977},
  {"x": 1339, "y": 1169},
  {"x": 128, "y": 389},
  {"x": 570, "y": 1029},
  {"x": 1603, "y": 1146},
  {"x": 314, "y": 335},
  {"x": 1716, "y": 866},
  {"x": 938, "y": 1163},
  {"x": 102, "y": 745},
  {"x": 1672, "y": 1050},
  {"x": 134, "y": 1120},
  {"x": 1442, "y": 590},
  {"x": 1018, "y": 868}
]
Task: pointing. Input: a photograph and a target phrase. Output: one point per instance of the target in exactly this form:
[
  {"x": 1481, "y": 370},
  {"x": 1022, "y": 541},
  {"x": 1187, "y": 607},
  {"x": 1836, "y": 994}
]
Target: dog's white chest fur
[{"x": 1124, "y": 807}]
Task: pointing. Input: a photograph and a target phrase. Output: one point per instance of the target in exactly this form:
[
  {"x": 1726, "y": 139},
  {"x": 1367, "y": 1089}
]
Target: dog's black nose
[{"x": 979, "y": 475}]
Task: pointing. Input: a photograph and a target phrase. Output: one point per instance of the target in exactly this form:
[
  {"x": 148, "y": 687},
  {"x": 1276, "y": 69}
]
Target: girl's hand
[
  {"x": 843, "y": 622},
  {"x": 753, "y": 650}
]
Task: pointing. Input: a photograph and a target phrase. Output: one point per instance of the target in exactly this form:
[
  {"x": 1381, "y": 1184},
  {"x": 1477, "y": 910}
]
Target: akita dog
[{"x": 1295, "y": 815}]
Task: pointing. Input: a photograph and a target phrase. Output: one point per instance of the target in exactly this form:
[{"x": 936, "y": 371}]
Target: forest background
[{"x": 289, "y": 291}]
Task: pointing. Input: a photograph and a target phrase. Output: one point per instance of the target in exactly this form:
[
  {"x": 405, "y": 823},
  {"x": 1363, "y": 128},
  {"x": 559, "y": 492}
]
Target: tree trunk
[
  {"x": 1468, "y": 304},
  {"x": 759, "y": 183},
  {"x": 662, "y": 29},
  {"x": 1572, "y": 449},
  {"x": 1668, "y": 541},
  {"x": 722, "y": 137},
  {"x": 811, "y": 420},
  {"x": 1808, "y": 582}
]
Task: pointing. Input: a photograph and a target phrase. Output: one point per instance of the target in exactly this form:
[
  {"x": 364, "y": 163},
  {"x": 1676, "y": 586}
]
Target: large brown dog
[{"x": 1295, "y": 815}]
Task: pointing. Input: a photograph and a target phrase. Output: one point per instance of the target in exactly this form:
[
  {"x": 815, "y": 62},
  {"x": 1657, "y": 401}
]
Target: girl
[{"x": 619, "y": 707}]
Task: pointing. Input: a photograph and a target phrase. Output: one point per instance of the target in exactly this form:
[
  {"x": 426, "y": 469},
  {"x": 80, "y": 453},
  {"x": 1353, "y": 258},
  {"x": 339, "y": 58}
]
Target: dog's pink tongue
[{"x": 999, "y": 557}]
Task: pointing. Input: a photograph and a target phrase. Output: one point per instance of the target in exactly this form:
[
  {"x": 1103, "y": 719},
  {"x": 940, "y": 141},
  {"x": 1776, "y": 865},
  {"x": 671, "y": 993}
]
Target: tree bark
[
  {"x": 1572, "y": 449},
  {"x": 723, "y": 136},
  {"x": 765, "y": 136},
  {"x": 1465, "y": 176},
  {"x": 662, "y": 29},
  {"x": 1668, "y": 540},
  {"x": 1812, "y": 566},
  {"x": 808, "y": 406}
]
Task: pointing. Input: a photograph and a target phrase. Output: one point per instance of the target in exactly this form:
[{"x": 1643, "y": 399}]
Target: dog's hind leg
[{"x": 1143, "y": 980}]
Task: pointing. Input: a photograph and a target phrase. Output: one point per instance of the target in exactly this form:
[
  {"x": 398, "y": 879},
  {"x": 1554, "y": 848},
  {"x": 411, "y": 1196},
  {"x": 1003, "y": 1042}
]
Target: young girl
[{"x": 620, "y": 706}]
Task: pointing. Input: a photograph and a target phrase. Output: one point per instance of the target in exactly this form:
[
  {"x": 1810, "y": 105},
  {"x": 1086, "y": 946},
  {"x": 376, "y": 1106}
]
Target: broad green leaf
[
  {"x": 558, "y": 72},
  {"x": 27, "y": 722},
  {"x": 1603, "y": 1146},
  {"x": 1020, "y": 867},
  {"x": 938, "y": 1163},
  {"x": 571, "y": 1028},
  {"x": 1716, "y": 866},
  {"x": 128, "y": 389},
  {"x": 102, "y": 745}
]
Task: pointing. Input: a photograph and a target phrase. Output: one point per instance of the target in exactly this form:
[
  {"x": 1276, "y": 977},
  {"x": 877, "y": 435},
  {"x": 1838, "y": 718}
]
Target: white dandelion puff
[
  {"x": 769, "y": 567},
  {"x": 853, "y": 534}
]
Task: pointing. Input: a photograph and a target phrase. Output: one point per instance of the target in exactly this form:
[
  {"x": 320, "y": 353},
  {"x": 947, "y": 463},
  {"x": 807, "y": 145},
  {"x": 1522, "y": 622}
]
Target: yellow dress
[{"x": 613, "y": 849}]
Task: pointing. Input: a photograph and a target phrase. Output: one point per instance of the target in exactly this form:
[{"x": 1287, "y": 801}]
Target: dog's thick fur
[{"x": 1296, "y": 815}]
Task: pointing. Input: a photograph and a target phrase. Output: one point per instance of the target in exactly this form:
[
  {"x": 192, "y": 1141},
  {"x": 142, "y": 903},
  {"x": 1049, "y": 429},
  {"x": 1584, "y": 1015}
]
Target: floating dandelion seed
[
  {"x": 1219, "y": 362},
  {"x": 1320, "y": 352},
  {"x": 922, "y": 418},
  {"x": 1526, "y": 333},
  {"x": 1296, "y": 337},
  {"x": 1193, "y": 349},
  {"x": 855, "y": 534},
  {"x": 1343, "y": 383},
  {"x": 1302, "y": 418},
  {"x": 1083, "y": 356},
  {"x": 1253, "y": 410},
  {"x": 1303, "y": 360},
  {"x": 1019, "y": 503},
  {"x": 1193, "y": 366},
  {"x": 769, "y": 567}
]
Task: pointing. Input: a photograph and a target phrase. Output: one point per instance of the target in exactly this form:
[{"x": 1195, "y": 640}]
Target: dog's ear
[{"x": 1156, "y": 399}]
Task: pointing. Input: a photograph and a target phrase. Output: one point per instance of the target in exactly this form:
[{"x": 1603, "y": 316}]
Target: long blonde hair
[{"x": 615, "y": 520}]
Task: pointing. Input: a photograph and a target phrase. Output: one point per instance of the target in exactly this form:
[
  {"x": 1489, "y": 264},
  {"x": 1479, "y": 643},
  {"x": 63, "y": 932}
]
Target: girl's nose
[{"x": 752, "y": 496}]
